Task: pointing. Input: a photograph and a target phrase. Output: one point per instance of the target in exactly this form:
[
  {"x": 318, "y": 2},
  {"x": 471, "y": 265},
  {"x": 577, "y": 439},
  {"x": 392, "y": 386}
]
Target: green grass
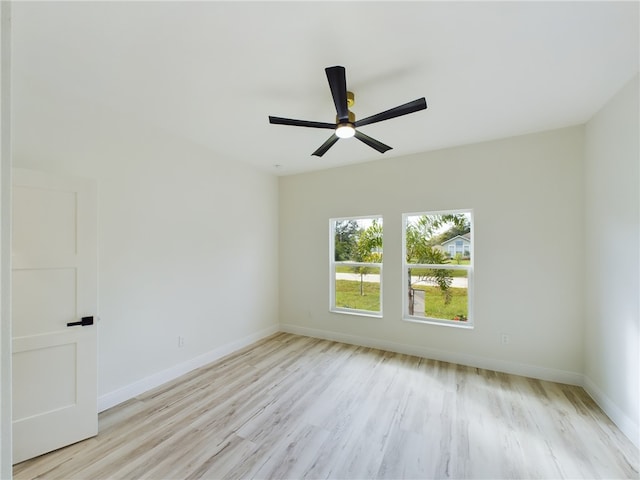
[
  {"x": 416, "y": 272},
  {"x": 347, "y": 269},
  {"x": 348, "y": 295},
  {"x": 343, "y": 269},
  {"x": 434, "y": 306}
]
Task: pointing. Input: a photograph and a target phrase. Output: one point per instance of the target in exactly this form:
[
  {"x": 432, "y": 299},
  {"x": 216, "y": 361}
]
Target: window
[
  {"x": 438, "y": 267},
  {"x": 356, "y": 265}
]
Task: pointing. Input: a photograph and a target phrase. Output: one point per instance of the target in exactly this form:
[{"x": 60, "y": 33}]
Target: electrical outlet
[
  {"x": 504, "y": 339},
  {"x": 180, "y": 342}
]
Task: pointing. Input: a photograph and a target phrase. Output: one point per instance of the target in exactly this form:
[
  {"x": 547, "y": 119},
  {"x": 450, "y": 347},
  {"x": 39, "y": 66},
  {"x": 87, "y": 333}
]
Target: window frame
[
  {"x": 333, "y": 264},
  {"x": 469, "y": 323}
]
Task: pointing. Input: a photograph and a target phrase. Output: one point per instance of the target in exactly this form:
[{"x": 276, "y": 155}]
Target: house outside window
[
  {"x": 460, "y": 244},
  {"x": 356, "y": 265},
  {"x": 438, "y": 267}
]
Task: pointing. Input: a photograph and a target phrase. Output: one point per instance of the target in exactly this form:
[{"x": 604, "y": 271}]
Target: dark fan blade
[
  {"x": 338, "y": 84},
  {"x": 326, "y": 145},
  {"x": 405, "y": 109},
  {"x": 372, "y": 142},
  {"x": 300, "y": 123}
]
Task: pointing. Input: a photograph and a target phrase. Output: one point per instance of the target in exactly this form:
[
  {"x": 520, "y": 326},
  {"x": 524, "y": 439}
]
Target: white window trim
[
  {"x": 469, "y": 324},
  {"x": 333, "y": 264}
]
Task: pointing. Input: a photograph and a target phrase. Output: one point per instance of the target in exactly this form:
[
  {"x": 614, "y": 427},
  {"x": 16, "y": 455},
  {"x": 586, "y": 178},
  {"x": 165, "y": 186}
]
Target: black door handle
[{"x": 84, "y": 322}]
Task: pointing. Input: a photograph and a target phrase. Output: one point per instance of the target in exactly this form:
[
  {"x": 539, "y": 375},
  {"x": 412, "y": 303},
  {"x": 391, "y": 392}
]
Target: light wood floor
[{"x": 296, "y": 407}]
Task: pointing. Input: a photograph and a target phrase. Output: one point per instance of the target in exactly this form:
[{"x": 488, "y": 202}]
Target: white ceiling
[{"x": 212, "y": 72}]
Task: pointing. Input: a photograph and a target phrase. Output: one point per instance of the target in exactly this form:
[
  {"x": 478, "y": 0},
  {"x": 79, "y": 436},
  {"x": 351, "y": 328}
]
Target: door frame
[{"x": 6, "y": 440}]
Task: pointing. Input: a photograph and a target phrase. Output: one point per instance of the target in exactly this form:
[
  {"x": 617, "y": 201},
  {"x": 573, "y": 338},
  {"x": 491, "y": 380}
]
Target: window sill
[
  {"x": 357, "y": 313},
  {"x": 442, "y": 323}
]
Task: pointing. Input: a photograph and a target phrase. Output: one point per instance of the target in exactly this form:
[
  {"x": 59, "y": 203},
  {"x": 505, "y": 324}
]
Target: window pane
[
  {"x": 439, "y": 238},
  {"x": 358, "y": 240},
  {"x": 439, "y": 294},
  {"x": 357, "y": 287}
]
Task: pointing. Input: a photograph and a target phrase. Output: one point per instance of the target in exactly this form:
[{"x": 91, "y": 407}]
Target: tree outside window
[
  {"x": 356, "y": 265},
  {"x": 437, "y": 280}
]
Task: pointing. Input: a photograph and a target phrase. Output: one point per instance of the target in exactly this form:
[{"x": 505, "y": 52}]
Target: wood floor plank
[{"x": 298, "y": 407}]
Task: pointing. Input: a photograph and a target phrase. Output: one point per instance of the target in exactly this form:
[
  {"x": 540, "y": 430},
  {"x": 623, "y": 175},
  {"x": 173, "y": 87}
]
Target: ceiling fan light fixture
[{"x": 345, "y": 130}]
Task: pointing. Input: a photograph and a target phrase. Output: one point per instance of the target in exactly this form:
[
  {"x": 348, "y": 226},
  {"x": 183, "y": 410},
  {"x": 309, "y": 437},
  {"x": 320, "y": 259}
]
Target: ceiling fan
[{"x": 346, "y": 124}]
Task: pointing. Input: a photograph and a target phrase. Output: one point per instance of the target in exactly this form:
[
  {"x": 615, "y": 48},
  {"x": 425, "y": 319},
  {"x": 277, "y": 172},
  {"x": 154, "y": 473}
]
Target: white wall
[
  {"x": 187, "y": 241},
  {"x": 528, "y": 189},
  {"x": 612, "y": 232}
]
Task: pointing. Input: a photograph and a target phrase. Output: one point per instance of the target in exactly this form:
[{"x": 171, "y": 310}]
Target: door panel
[
  {"x": 43, "y": 300},
  {"x": 44, "y": 223},
  {"x": 54, "y": 282},
  {"x": 53, "y": 392}
]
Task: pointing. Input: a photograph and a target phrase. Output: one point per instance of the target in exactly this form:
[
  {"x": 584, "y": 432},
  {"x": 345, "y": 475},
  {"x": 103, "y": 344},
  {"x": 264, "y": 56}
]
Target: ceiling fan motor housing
[{"x": 352, "y": 118}]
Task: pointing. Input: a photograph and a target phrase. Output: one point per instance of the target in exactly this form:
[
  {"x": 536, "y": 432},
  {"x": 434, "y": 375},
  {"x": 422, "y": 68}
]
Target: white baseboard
[
  {"x": 617, "y": 416},
  {"x": 123, "y": 394},
  {"x": 532, "y": 371}
]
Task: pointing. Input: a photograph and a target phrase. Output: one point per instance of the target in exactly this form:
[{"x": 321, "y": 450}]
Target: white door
[{"x": 54, "y": 283}]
